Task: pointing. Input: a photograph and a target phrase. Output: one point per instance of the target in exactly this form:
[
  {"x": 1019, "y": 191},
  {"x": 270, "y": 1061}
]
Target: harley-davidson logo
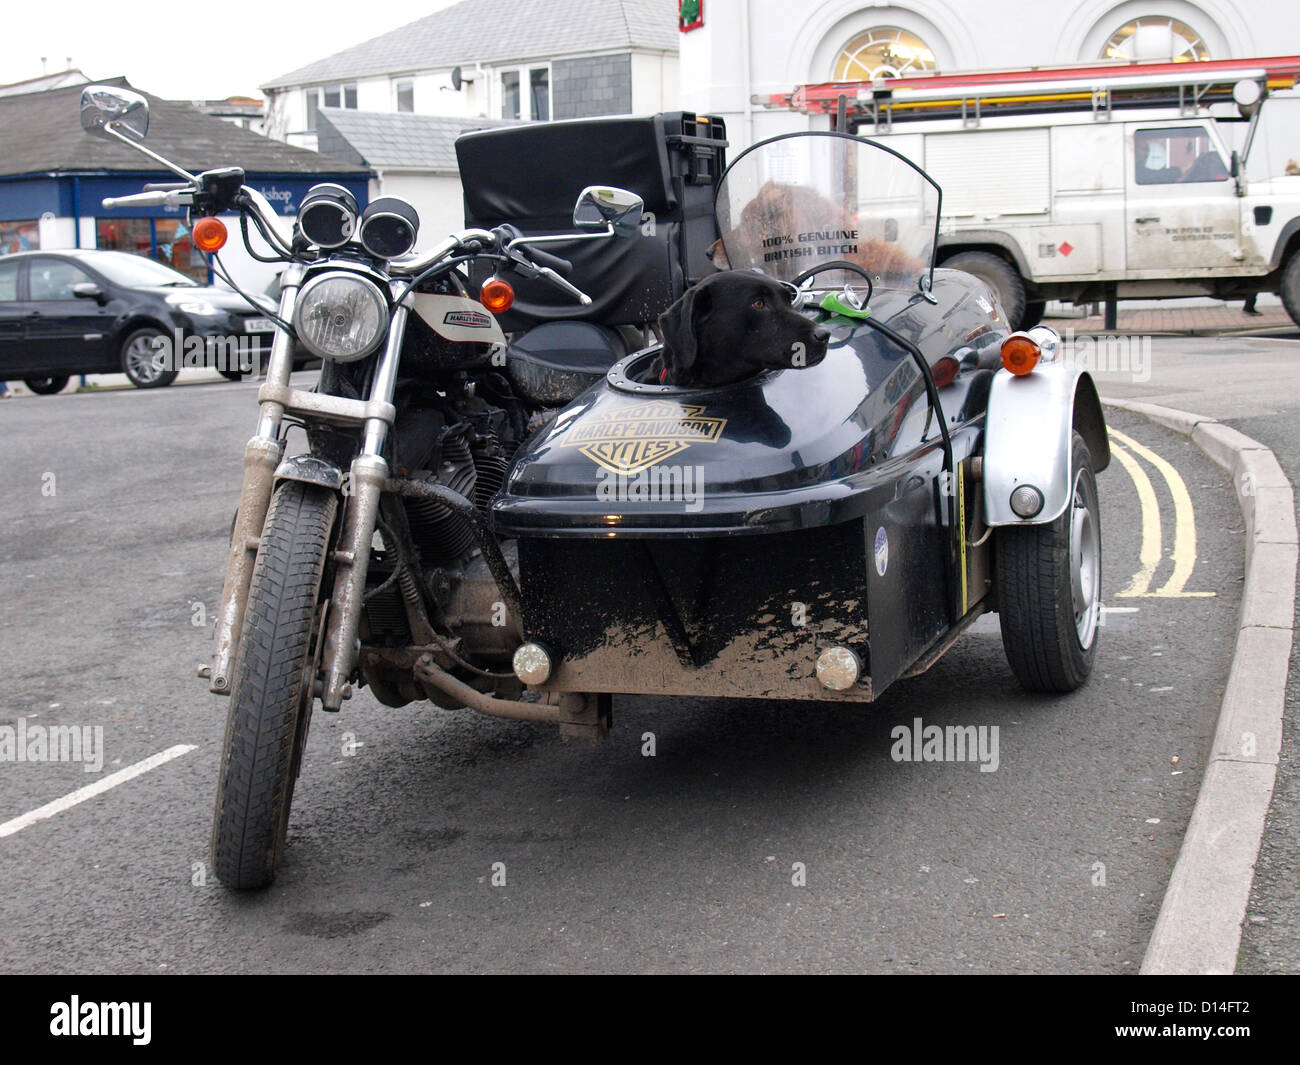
[
  {"x": 473, "y": 319},
  {"x": 635, "y": 438}
]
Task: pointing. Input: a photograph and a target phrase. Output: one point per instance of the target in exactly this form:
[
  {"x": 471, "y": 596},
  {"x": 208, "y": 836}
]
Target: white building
[
  {"x": 496, "y": 59},
  {"x": 748, "y": 50}
]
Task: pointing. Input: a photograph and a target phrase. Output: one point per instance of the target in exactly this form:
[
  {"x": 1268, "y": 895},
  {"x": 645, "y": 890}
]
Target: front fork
[{"x": 368, "y": 473}]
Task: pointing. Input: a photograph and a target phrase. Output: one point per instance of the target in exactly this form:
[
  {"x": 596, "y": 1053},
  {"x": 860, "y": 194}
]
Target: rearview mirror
[
  {"x": 87, "y": 290},
  {"x": 600, "y": 206},
  {"x": 104, "y": 106}
]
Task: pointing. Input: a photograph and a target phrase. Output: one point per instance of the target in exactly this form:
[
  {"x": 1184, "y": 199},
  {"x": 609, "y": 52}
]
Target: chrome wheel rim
[
  {"x": 1085, "y": 565},
  {"x": 143, "y": 363}
]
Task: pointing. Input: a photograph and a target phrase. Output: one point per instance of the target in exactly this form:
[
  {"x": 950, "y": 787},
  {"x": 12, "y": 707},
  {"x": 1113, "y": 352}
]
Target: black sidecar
[{"x": 817, "y": 532}]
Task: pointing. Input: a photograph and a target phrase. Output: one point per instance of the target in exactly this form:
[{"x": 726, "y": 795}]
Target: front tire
[
  {"x": 1049, "y": 588},
  {"x": 1000, "y": 276},
  {"x": 140, "y": 359},
  {"x": 271, "y": 689},
  {"x": 1290, "y": 287},
  {"x": 46, "y": 386}
]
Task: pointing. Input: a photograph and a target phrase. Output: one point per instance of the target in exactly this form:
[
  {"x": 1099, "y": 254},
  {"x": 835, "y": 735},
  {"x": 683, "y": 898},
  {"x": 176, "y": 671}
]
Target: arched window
[
  {"x": 1156, "y": 38},
  {"x": 882, "y": 52}
]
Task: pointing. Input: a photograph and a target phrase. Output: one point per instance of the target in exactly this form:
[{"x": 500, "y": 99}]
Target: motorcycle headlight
[{"x": 340, "y": 316}]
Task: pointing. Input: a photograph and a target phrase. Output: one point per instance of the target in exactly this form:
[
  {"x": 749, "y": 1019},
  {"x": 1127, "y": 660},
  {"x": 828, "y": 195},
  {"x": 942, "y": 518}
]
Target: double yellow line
[{"x": 1150, "y": 554}]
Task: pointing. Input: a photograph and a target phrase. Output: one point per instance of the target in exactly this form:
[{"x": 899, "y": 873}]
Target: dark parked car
[{"x": 79, "y": 312}]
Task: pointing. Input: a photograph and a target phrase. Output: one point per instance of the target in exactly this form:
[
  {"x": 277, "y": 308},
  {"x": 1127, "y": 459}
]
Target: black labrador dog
[{"x": 731, "y": 326}]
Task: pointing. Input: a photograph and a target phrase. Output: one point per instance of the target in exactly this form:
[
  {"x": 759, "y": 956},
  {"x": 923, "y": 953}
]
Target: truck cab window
[{"x": 1170, "y": 156}]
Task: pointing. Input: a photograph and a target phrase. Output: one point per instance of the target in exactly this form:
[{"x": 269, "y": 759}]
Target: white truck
[{"x": 1095, "y": 184}]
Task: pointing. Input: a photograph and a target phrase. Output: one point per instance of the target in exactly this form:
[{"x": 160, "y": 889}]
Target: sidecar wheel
[
  {"x": 1049, "y": 589},
  {"x": 270, "y": 695}
]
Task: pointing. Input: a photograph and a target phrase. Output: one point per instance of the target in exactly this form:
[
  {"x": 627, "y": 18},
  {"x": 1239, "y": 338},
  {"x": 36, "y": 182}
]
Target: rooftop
[
  {"x": 385, "y": 140},
  {"x": 41, "y": 132},
  {"x": 488, "y": 31}
]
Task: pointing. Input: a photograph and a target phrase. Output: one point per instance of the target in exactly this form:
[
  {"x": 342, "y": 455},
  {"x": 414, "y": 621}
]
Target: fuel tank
[{"x": 787, "y": 449}]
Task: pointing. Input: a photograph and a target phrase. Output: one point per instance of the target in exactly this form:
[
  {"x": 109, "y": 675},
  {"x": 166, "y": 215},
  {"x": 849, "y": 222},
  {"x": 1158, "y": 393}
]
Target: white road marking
[{"x": 97, "y": 788}]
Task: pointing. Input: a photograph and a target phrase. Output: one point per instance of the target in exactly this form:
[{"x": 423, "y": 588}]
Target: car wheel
[
  {"x": 46, "y": 386},
  {"x": 1000, "y": 276},
  {"x": 1290, "y": 287},
  {"x": 1049, "y": 588},
  {"x": 271, "y": 691},
  {"x": 140, "y": 359}
]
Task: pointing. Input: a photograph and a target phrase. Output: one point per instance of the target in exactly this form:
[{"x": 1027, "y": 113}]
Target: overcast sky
[{"x": 244, "y": 45}]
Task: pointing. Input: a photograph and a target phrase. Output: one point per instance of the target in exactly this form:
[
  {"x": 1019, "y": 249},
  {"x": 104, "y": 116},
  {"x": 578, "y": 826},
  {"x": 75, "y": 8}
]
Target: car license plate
[{"x": 259, "y": 325}]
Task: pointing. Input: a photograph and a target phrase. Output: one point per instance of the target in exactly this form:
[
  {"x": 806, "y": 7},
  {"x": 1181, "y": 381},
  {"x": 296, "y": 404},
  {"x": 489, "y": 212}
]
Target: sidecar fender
[
  {"x": 310, "y": 470},
  {"x": 1027, "y": 441}
]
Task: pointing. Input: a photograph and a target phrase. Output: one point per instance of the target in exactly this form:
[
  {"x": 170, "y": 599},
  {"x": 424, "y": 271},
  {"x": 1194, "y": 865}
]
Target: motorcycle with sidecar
[{"x": 495, "y": 503}]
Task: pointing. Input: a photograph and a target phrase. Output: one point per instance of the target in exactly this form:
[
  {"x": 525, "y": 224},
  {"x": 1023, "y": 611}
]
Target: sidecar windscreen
[{"x": 793, "y": 204}]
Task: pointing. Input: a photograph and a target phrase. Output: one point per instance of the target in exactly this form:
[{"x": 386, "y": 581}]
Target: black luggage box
[{"x": 530, "y": 176}]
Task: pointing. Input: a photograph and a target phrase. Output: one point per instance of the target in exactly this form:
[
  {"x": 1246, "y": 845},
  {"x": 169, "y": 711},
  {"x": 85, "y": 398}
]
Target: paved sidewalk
[{"x": 1215, "y": 320}]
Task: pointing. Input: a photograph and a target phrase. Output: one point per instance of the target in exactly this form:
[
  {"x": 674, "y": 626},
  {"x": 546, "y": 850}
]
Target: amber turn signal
[
  {"x": 209, "y": 234},
  {"x": 496, "y": 295},
  {"x": 1020, "y": 353}
]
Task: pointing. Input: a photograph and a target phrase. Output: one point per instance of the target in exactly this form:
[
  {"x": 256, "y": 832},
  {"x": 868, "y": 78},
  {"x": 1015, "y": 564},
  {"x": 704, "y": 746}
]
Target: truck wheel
[
  {"x": 1049, "y": 588},
  {"x": 46, "y": 386},
  {"x": 271, "y": 691},
  {"x": 999, "y": 275},
  {"x": 1034, "y": 311},
  {"x": 1291, "y": 287},
  {"x": 139, "y": 359}
]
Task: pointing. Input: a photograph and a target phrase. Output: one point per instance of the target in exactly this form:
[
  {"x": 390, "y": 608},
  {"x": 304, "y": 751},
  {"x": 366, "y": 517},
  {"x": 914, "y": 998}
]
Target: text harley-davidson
[{"x": 492, "y": 525}]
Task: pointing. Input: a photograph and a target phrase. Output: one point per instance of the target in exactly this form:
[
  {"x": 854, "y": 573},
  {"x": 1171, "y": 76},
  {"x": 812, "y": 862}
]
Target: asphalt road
[{"x": 116, "y": 508}]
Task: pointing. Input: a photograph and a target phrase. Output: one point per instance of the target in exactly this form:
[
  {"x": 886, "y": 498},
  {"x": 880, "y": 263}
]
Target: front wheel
[
  {"x": 142, "y": 360},
  {"x": 271, "y": 689},
  {"x": 1049, "y": 588}
]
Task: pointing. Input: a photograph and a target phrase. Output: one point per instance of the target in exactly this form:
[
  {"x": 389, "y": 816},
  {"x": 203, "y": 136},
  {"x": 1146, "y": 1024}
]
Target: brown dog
[{"x": 791, "y": 210}]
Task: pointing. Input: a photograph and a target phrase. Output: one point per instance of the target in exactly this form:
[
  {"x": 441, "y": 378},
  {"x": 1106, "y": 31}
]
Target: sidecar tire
[
  {"x": 1049, "y": 589},
  {"x": 270, "y": 694}
]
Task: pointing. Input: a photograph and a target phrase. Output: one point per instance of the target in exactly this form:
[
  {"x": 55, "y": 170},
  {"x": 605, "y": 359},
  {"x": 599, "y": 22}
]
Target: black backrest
[{"x": 530, "y": 176}]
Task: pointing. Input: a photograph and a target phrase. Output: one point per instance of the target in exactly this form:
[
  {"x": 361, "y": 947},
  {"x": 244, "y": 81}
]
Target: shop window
[
  {"x": 19, "y": 236},
  {"x": 882, "y": 52},
  {"x": 165, "y": 240},
  {"x": 1176, "y": 156},
  {"x": 1156, "y": 39}
]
